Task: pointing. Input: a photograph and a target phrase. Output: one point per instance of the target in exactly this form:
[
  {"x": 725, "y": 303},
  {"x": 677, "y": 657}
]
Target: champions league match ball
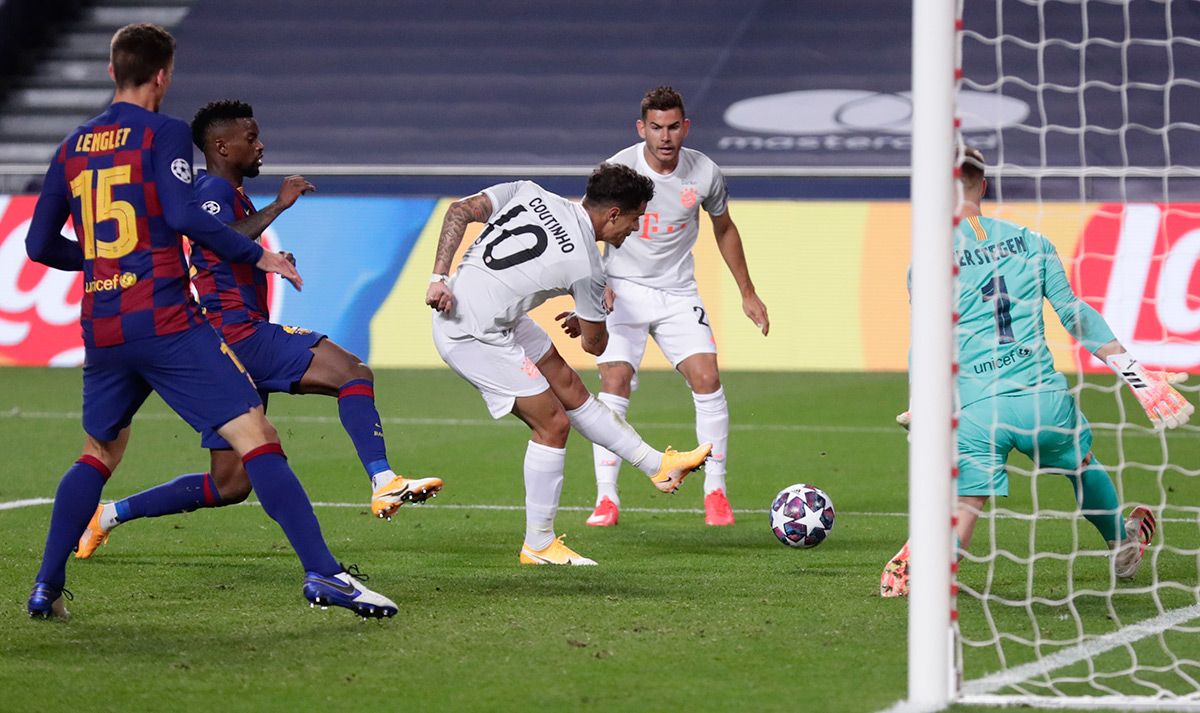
[{"x": 802, "y": 516}]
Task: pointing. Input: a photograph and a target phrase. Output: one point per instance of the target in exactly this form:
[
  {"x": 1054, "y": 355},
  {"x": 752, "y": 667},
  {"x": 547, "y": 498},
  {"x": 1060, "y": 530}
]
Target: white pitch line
[
  {"x": 16, "y": 413},
  {"x": 1080, "y": 652},
  {"x": 14, "y": 504},
  {"x": 33, "y": 502},
  {"x": 1127, "y": 429}
]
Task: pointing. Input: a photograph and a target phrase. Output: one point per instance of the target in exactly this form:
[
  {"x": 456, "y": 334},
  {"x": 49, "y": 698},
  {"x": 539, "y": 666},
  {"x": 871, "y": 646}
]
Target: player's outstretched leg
[
  {"x": 75, "y": 500},
  {"x": 597, "y": 423},
  {"x": 337, "y": 372},
  {"x": 183, "y": 494},
  {"x": 666, "y": 470},
  {"x": 285, "y": 502}
]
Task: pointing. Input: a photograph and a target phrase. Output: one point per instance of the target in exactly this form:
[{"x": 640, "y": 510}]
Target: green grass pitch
[{"x": 205, "y": 608}]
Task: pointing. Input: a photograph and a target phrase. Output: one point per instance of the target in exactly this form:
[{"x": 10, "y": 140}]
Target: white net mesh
[{"x": 1086, "y": 113}]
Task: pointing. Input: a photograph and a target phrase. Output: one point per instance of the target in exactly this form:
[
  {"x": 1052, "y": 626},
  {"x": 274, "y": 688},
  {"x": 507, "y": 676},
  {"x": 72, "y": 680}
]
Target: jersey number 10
[
  {"x": 541, "y": 240},
  {"x": 98, "y": 205}
]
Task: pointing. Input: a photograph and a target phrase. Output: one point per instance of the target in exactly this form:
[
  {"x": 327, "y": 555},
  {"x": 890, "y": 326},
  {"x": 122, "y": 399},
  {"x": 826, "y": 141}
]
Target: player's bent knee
[
  {"x": 361, "y": 371},
  {"x": 229, "y": 477},
  {"x": 235, "y": 492},
  {"x": 705, "y": 383},
  {"x": 554, "y": 430},
  {"x": 109, "y": 453},
  {"x": 616, "y": 378}
]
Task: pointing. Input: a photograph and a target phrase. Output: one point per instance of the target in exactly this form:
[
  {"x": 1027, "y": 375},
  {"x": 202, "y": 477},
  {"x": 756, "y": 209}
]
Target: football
[{"x": 802, "y": 516}]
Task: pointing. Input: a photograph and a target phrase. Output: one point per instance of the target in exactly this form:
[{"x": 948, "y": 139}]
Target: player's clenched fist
[
  {"x": 1163, "y": 404},
  {"x": 439, "y": 296},
  {"x": 291, "y": 189}
]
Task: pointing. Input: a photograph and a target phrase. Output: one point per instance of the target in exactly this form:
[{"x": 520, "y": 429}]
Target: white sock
[
  {"x": 712, "y": 426},
  {"x": 381, "y": 478},
  {"x": 608, "y": 465},
  {"x": 543, "y": 486},
  {"x": 602, "y": 426},
  {"x": 108, "y": 516}
]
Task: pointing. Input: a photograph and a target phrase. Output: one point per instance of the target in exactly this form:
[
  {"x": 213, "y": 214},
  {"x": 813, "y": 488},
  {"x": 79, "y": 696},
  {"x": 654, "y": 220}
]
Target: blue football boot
[
  {"x": 345, "y": 590},
  {"x": 46, "y": 602}
]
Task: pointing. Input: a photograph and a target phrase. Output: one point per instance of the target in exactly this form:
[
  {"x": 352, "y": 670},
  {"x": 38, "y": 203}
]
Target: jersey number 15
[{"x": 97, "y": 205}]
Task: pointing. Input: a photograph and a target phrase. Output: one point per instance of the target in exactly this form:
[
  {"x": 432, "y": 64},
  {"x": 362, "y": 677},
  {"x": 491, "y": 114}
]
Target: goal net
[{"x": 1088, "y": 113}]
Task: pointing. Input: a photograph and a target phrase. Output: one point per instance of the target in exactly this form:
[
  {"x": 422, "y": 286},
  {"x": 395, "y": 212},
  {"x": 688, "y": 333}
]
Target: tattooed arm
[{"x": 473, "y": 209}]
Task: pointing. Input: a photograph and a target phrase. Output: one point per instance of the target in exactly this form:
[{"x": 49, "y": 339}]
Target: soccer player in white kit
[
  {"x": 538, "y": 245},
  {"x": 653, "y": 278}
]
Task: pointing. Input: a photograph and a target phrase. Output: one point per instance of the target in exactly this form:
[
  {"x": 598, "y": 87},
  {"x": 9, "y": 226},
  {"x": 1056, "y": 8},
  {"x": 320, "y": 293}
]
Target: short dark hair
[
  {"x": 972, "y": 165},
  {"x": 662, "y": 98},
  {"x": 138, "y": 52},
  {"x": 615, "y": 184},
  {"x": 217, "y": 113}
]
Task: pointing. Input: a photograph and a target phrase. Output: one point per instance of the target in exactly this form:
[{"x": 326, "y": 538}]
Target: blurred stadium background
[{"x": 393, "y": 107}]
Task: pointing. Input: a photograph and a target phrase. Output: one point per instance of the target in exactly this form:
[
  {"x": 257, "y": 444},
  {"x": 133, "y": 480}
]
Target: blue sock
[
  {"x": 1097, "y": 497},
  {"x": 184, "y": 494},
  {"x": 360, "y": 418},
  {"x": 286, "y": 503},
  {"x": 74, "y": 504}
]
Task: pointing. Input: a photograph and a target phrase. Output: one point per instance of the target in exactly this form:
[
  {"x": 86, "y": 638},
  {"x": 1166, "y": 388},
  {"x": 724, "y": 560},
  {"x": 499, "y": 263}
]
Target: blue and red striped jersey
[
  {"x": 234, "y": 296},
  {"x": 125, "y": 179}
]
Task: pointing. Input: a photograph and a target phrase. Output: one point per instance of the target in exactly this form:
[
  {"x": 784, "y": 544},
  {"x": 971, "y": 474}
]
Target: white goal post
[
  {"x": 1035, "y": 617},
  {"x": 931, "y": 399}
]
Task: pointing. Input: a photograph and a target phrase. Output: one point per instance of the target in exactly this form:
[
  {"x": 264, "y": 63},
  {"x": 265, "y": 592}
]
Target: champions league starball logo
[
  {"x": 182, "y": 170},
  {"x": 837, "y": 120}
]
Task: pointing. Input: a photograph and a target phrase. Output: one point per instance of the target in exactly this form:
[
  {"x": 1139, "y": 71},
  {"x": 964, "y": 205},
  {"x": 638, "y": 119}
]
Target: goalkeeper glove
[
  {"x": 904, "y": 419},
  {"x": 1165, "y": 406}
]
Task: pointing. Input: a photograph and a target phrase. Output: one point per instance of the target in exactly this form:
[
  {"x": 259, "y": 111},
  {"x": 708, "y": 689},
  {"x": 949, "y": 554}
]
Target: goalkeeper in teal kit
[{"x": 1010, "y": 396}]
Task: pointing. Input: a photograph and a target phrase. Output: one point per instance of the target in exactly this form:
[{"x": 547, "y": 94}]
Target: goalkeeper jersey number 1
[{"x": 1005, "y": 273}]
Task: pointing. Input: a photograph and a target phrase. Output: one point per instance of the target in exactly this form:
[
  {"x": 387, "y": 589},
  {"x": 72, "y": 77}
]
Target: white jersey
[
  {"x": 536, "y": 245},
  {"x": 659, "y": 254}
]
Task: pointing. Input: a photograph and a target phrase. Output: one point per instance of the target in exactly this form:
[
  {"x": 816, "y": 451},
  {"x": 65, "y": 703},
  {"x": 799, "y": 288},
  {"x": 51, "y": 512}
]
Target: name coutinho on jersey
[
  {"x": 991, "y": 253},
  {"x": 560, "y": 233},
  {"x": 101, "y": 140}
]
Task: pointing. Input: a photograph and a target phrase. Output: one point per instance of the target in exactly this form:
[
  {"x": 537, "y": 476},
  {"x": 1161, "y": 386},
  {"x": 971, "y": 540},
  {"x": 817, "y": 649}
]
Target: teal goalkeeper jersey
[{"x": 1005, "y": 271}]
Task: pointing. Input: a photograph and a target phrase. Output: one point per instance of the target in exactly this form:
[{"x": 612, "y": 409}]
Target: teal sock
[{"x": 1096, "y": 496}]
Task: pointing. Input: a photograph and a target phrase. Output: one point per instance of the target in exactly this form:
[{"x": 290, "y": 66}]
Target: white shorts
[
  {"x": 678, "y": 323},
  {"x": 500, "y": 372}
]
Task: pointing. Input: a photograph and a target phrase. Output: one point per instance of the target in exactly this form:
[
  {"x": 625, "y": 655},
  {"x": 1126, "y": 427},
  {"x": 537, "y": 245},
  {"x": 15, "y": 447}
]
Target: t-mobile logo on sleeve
[{"x": 1136, "y": 263}]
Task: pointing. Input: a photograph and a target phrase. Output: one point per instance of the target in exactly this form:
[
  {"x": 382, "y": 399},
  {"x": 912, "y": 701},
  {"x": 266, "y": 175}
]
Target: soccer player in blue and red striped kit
[
  {"x": 278, "y": 358},
  {"x": 125, "y": 180}
]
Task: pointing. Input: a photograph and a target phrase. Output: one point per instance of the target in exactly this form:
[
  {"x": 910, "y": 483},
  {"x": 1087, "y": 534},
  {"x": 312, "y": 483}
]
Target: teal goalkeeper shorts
[{"x": 1046, "y": 426}]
